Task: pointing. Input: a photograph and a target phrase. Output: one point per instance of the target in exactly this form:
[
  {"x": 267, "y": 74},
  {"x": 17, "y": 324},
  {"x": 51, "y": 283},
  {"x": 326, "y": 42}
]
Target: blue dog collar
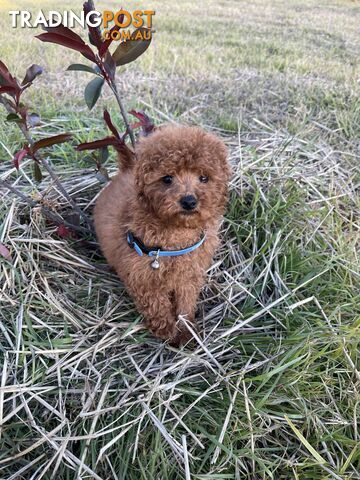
[{"x": 141, "y": 249}]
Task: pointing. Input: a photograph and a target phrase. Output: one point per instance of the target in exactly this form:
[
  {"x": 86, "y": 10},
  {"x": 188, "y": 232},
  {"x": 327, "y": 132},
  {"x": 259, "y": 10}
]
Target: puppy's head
[{"x": 182, "y": 175}]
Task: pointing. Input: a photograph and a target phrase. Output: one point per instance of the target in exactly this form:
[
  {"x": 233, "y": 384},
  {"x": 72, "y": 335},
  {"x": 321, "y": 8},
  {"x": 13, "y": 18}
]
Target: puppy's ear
[
  {"x": 143, "y": 177},
  {"x": 126, "y": 157}
]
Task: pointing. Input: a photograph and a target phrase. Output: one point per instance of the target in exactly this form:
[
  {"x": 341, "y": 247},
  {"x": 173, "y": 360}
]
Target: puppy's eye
[
  {"x": 167, "y": 179},
  {"x": 203, "y": 179}
]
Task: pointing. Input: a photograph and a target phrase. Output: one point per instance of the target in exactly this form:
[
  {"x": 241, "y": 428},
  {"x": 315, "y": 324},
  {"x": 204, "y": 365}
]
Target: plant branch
[
  {"x": 47, "y": 167},
  {"x": 113, "y": 87}
]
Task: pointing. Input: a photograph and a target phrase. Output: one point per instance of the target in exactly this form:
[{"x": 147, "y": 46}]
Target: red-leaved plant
[
  {"x": 104, "y": 64},
  {"x": 19, "y": 113}
]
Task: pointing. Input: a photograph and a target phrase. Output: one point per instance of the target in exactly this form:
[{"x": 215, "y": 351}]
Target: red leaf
[
  {"x": 109, "y": 123},
  {"x": 94, "y": 32},
  {"x": 65, "y": 41},
  {"x": 106, "y": 44},
  {"x": 8, "y": 79},
  {"x": 65, "y": 32},
  {"x": 63, "y": 231},
  {"x": 145, "y": 122},
  {"x": 131, "y": 48},
  {"x": 125, "y": 151},
  {"x": 104, "y": 142},
  {"x": 140, "y": 115},
  {"x": 48, "y": 142},
  {"x": 10, "y": 90},
  {"x": 4, "y": 252},
  {"x": 19, "y": 156}
]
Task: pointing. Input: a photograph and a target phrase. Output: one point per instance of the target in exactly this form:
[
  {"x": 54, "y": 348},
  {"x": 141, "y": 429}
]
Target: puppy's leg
[
  {"x": 158, "y": 311},
  {"x": 186, "y": 296}
]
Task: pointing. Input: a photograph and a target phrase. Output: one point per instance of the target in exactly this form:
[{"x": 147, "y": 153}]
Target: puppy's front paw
[
  {"x": 182, "y": 336},
  {"x": 163, "y": 330}
]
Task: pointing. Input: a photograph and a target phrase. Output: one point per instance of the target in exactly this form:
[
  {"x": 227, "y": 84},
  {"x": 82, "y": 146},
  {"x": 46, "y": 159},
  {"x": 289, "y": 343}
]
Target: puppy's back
[{"x": 112, "y": 214}]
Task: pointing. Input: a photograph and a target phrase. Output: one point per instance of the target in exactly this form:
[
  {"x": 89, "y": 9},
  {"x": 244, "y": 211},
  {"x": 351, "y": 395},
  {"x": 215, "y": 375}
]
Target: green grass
[{"x": 271, "y": 391}]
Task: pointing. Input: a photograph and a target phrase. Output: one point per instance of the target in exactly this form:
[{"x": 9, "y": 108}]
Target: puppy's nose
[{"x": 188, "y": 202}]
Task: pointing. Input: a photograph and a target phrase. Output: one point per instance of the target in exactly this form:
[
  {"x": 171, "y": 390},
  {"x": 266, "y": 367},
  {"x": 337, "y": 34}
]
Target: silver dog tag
[{"x": 156, "y": 264}]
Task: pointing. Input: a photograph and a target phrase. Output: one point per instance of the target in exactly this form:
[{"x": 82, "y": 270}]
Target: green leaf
[
  {"x": 79, "y": 67},
  {"x": 37, "y": 172},
  {"x": 31, "y": 73},
  {"x": 130, "y": 50},
  {"x": 102, "y": 175},
  {"x": 104, "y": 154},
  {"x": 303, "y": 440},
  {"x": 92, "y": 91},
  {"x": 12, "y": 117},
  {"x": 348, "y": 460},
  {"x": 109, "y": 64}
]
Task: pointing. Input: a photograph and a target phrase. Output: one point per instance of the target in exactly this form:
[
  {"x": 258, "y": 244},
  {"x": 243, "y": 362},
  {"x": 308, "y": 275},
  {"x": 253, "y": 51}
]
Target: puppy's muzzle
[{"x": 188, "y": 202}]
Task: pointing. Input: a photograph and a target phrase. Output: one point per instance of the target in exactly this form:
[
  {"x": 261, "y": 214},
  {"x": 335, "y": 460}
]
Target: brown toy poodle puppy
[{"x": 157, "y": 223}]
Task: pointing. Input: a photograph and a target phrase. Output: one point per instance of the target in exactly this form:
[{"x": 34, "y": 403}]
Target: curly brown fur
[{"x": 137, "y": 199}]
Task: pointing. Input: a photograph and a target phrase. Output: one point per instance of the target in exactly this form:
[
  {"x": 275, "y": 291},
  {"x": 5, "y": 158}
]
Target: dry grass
[
  {"x": 86, "y": 390},
  {"x": 271, "y": 388}
]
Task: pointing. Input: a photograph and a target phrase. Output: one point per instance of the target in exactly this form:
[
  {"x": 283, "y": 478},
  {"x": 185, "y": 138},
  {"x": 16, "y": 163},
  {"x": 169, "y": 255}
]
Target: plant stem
[
  {"x": 113, "y": 87},
  {"x": 56, "y": 180},
  {"x": 17, "y": 192}
]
